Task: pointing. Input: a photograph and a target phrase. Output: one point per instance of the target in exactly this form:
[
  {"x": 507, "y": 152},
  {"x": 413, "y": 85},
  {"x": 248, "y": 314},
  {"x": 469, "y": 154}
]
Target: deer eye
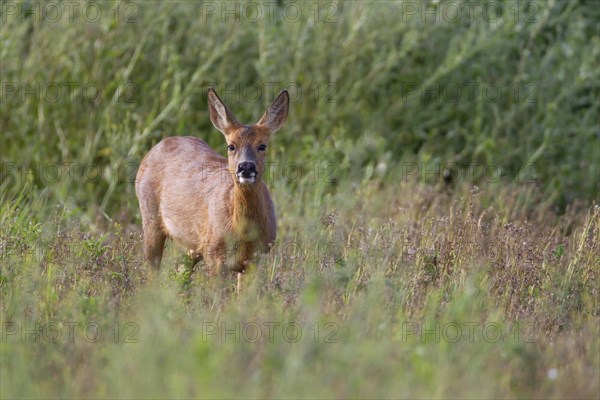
[
  {"x": 262, "y": 147},
  {"x": 231, "y": 147}
]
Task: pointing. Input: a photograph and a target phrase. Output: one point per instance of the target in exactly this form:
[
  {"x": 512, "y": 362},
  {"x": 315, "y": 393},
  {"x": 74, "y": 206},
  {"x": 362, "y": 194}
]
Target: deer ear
[
  {"x": 275, "y": 116},
  {"x": 220, "y": 116}
]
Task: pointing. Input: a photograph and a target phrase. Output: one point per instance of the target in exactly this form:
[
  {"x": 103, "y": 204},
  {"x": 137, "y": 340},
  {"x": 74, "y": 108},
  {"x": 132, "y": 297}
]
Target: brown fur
[{"x": 188, "y": 192}]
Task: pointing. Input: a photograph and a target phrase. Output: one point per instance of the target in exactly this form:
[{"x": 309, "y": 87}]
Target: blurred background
[{"x": 500, "y": 92}]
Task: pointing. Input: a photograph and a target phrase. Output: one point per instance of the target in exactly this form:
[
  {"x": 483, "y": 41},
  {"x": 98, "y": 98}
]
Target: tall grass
[
  {"x": 378, "y": 293},
  {"x": 508, "y": 86},
  {"x": 428, "y": 245}
]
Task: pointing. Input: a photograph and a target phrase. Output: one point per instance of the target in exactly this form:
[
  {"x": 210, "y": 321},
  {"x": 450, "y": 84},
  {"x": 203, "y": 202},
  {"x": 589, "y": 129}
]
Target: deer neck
[{"x": 248, "y": 211}]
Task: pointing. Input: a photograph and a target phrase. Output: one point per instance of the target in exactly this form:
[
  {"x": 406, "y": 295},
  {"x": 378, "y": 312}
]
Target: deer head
[{"x": 247, "y": 144}]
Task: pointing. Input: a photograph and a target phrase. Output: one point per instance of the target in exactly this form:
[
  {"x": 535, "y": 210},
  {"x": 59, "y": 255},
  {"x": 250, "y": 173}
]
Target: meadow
[{"x": 436, "y": 186}]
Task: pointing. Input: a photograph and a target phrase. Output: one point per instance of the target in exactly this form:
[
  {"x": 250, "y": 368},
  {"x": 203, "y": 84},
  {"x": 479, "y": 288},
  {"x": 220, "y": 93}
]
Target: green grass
[
  {"x": 378, "y": 86},
  {"x": 427, "y": 247},
  {"x": 411, "y": 293}
]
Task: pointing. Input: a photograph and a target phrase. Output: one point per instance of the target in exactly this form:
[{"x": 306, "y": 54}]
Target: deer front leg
[{"x": 215, "y": 257}]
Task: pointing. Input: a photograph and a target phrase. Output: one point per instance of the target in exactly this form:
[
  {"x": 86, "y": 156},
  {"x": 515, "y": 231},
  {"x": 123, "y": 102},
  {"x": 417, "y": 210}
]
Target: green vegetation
[
  {"x": 509, "y": 298},
  {"x": 428, "y": 245}
]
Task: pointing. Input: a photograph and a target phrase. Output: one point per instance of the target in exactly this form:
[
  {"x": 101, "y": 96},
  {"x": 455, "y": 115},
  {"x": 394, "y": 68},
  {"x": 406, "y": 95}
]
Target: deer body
[{"x": 218, "y": 208}]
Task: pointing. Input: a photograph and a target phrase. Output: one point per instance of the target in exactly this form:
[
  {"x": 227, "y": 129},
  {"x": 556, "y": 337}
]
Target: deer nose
[{"x": 247, "y": 169}]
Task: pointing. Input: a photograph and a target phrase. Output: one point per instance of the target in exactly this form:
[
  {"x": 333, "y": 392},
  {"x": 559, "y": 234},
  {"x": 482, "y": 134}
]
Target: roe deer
[{"x": 218, "y": 208}]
